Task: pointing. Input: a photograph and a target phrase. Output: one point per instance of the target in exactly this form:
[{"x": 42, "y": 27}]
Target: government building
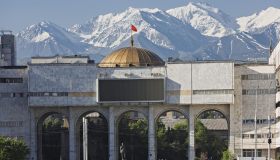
[{"x": 72, "y": 106}]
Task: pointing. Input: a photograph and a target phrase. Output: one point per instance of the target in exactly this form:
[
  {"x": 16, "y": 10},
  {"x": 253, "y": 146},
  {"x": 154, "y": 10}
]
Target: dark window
[{"x": 11, "y": 80}]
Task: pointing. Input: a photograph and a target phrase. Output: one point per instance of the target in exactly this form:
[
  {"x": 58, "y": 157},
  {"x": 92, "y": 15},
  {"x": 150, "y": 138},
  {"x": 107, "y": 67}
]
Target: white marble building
[{"x": 28, "y": 94}]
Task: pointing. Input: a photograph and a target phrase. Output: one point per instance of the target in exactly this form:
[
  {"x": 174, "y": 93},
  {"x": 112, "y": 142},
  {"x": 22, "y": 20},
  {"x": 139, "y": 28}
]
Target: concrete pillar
[
  {"x": 112, "y": 135},
  {"x": 85, "y": 138},
  {"x": 191, "y": 135},
  {"x": 151, "y": 135},
  {"x": 231, "y": 127},
  {"x": 72, "y": 138},
  {"x": 33, "y": 136}
]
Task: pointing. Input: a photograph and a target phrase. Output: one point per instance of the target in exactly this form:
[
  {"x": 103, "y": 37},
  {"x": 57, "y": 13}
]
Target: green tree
[
  {"x": 208, "y": 144},
  {"x": 13, "y": 149},
  {"x": 227, "y": 155},
  {"x": 172, "y": 142},
  {"x": 134, "y": 134}
]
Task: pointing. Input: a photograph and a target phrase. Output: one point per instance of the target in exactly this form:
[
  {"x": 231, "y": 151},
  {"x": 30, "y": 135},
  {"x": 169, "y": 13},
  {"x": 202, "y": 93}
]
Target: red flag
[{"x": 133, "y": 28}]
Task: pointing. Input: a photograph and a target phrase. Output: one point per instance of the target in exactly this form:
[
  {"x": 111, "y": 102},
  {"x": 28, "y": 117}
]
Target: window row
[
  {"x": 6, "y": 46},
  {"x": 258, "y": 76},
  {"x": 53, "y": 94},
  {"x": 264, "y": 136},
  {"x": 11, "y": 123},
  {"x": 11, "y": 80},
  {"x": 258, "y": 91},
  {"x": 13, "y": 95},
  {"x": 251, "y": 153},
  {"x": 34, "y": 94},
  {"x": 209, "y": 92},
  {"x": 259, "y": 121}
]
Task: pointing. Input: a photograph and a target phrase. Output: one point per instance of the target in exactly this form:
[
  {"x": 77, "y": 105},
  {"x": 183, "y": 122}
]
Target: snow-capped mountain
[
  {"x": 259, "y": 21},
  {"x": 155, "y": 25},
  {"x": 208, "y": 20},
  {"x": 46, "y": 38},
  {"x": 240, "y": 46},
  {"x": 194, "y": 31}
]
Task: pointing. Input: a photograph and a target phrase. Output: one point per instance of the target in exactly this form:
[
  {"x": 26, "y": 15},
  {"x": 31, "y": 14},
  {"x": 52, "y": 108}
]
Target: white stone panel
[{"x": 212, "y": 76}]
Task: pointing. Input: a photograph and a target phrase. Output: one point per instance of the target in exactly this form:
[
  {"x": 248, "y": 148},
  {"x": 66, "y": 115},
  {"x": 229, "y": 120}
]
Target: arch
[
  {"x": 97, "y": 139},
  {"x": 177, "y": 144},
  {"x": 213, "y": 133},
  {"x": 172, "y": 109},
  {"x": 131, "y": 135},
  {"x": 54, "y": 133},
  {"x": 119, "y": 115},
  {"x": 88, "y": 112},
  {"x": 217, "y": 110}
]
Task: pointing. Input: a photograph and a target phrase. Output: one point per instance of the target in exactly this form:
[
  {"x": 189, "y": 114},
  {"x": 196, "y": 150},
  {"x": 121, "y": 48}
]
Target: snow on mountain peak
[
  {"x": 41, "y": 37},
  {"x": 208, "y": 20},
  {"x": 260, "y": 20},
  {"x": 205, "y": 6}
]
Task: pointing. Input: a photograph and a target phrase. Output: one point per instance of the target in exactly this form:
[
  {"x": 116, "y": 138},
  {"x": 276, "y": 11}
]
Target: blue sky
[{"x": 18, "y": 14}]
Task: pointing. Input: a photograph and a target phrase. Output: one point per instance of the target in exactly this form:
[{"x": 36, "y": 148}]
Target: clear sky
[{"x": 18, "y": 14}]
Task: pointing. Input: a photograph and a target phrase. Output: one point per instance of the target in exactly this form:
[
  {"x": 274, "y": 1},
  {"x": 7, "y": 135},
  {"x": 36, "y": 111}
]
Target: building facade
[{"x": 133, "y": 79}]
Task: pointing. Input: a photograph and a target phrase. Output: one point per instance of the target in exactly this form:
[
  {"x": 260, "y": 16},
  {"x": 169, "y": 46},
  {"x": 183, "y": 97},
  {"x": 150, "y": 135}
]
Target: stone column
[
  {"x": 72, "y": 138},
  {"x": 85, "y": 138},
  {"x": 231, "y": 127},
  {"x": 191, "y": 134},
  {"x": 33, "y": 136},
  {"x": 112, "y": 135},
  {"x": 151, "y": 135}
]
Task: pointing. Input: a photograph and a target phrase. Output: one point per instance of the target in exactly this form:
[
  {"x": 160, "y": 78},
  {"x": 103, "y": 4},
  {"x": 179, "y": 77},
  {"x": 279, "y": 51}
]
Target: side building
[
  {"x": 7, "y": 48},
  {"x": 275, "y": 60}
]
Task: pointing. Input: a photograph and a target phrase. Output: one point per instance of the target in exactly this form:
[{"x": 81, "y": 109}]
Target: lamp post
[
  {"x": 255, "y": 135},
  {"x": 241, "y": 108},
  {"x": 269, "y": 127}
]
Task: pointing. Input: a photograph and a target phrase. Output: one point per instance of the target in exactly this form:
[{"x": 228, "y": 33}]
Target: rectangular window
[
  {"x": 259, "y": 91},
  {"x": 258, "y": 76},
  {"x": 259, "y": 121},
  {"x": 11, "y": 123},
  {"x": 11, "y": 80},
  {"x": 211, "y": 92},
  {"x": 12, "y": 95},
  {"x": 245, "y": 136},
  {"x": 54, "y": 94},
  {"x": 251, "y": 152}
]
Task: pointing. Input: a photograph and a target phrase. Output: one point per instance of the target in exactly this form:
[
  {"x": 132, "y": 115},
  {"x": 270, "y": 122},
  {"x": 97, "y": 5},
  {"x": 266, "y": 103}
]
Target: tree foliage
[
  {"x": 227, "y": 155},
  {"x": 208, "y": 145},
  {"x": 134, "y": 134},
  {"x": 13, "y": 149},
  {"x": 172, "y": 143}
]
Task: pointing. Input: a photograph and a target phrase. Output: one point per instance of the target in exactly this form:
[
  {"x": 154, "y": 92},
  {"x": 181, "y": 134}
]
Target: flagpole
[{"x": 131, "y": 37}]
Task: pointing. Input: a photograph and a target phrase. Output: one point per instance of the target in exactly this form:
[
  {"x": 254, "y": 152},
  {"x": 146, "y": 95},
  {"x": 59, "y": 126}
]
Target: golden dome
[{"x": 131, "y": 57}]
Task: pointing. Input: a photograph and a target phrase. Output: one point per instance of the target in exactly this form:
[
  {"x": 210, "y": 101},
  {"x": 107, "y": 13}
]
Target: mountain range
[{"x": 196, "y": 31}]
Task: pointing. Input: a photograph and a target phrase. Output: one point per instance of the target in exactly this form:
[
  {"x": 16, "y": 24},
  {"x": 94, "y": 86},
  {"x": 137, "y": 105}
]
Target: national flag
[{"x": 133, "y": 28}]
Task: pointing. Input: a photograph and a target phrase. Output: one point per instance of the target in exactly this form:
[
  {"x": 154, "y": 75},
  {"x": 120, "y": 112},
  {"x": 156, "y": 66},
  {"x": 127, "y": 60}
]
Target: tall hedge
[{"x": 13, "y": 149}]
